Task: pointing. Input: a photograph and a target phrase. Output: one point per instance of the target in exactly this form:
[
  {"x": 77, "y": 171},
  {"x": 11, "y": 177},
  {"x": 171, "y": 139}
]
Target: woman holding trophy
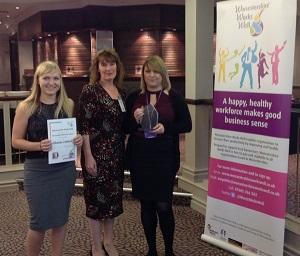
[{"x": 156, "y": 115}]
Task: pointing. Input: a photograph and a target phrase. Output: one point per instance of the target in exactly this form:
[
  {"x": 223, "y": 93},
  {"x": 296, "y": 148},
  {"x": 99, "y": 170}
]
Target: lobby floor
[{"x": 129, "y": 237}]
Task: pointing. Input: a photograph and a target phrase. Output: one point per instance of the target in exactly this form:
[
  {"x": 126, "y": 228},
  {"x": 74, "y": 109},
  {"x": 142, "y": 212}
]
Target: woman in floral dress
[{"x": 101, "y": 115}]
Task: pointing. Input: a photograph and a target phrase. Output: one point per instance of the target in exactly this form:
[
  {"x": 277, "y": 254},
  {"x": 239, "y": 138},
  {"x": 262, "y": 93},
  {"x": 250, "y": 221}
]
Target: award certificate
[{"x": 61, "y": 132}]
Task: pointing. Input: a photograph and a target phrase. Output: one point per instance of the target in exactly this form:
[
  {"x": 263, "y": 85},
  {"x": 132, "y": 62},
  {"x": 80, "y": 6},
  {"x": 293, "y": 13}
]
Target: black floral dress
[{"x": 101, "y": 118}]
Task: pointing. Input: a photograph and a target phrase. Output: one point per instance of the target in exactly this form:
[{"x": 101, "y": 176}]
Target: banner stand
[
  {"x": 226, "y": 246},
  {"x": 248, "y": 164}
]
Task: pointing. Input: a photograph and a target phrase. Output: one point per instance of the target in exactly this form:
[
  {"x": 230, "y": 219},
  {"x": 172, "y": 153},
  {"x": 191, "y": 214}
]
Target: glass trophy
[{"x": 150, "y": 119}]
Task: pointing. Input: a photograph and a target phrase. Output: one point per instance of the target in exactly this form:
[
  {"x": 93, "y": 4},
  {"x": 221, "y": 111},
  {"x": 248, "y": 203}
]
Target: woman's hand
[
  {"x": 78, "y": 140},
  {"x": 45, "y": 145},
  {"x": 91, "y": 166},
  {"x": 158, "y": 129},
  {"x": 138, "y": 114}
]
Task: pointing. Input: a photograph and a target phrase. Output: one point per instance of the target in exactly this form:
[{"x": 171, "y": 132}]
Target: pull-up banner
[{"x": 246, "y": 201}]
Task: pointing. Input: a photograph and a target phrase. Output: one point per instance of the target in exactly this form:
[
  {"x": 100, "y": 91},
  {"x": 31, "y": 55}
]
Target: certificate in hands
[{"x": 61, "y": 132}]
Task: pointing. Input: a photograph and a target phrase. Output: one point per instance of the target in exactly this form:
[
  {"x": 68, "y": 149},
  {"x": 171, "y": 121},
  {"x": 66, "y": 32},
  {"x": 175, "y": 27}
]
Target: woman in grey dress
[{"x": 48, "y": 187}]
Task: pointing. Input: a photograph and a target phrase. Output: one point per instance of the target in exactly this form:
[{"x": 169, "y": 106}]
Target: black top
[
  {"x": 37, "y": 127},
  {"x": 181, "y": 123},
  {"x": 163, "y": 106}
]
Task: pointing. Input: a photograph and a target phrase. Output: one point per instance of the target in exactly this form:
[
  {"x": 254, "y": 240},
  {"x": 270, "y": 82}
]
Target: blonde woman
[
  {"x": 101, "y": 115},
  {"x": 156, "y": 115},
  {"x": 48, "y": 187}
]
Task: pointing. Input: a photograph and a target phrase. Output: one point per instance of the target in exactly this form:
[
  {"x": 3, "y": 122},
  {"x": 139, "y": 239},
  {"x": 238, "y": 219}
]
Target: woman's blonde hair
[
  {"x": 33, "y": 100},
  {"x": 109, "y": 55},
  {"x": 156, "y": 64}
]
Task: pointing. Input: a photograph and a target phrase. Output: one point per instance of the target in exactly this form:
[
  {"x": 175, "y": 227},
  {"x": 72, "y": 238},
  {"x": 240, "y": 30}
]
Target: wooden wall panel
[
  {"x": 88, "y": 17},
  {"x": 98, "y": 17},
  {"x": 134, "y": 47},
  {"x": 50, "y": 48},
  {"x": 74, "y": 52},
  {"x": 62, "y": 20},
  {"x": 172, "y": 16},
  {"x": 93, "y": 45},
  {"x": 173, "y": 52},
  {"x": 138, "y": 31},
  {"x": 44, "y": 49},
  {"x": 40, "y": 52},
  {"x": 30, "y": 27},
  {"x": 136, "y": 17}
]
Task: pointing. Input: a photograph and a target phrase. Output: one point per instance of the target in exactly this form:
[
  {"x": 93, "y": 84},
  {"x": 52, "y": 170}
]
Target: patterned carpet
[
  {"x": 129, "y": 237},
  {"x": 293, "y": 200}
]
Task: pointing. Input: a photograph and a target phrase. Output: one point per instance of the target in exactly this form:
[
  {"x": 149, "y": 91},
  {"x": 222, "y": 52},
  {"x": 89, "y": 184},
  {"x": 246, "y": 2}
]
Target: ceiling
[
  {"x": 9, "y": 25},
  {"x": 10, "y": 16}
]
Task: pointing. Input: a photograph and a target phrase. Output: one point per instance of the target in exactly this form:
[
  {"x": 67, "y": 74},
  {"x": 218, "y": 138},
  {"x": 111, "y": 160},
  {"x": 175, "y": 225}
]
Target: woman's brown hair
[{"x": 109, "y": 55}]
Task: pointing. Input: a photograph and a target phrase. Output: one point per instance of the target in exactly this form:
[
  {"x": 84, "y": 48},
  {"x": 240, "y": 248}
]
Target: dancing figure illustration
[
  {"x": 223, "y": 54},
  {"x": 236, "y": 53},
  {"x": 262, "y": 63},
  {"x": 248, "y": 59},
  {"x": 275, "y": 62}
]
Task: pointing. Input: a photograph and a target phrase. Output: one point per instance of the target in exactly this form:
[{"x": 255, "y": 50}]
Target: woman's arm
[
  {"x": 72, "y": 105},
  {"x": 19, "y": 129},
  {"x": 86, "y": 108},
  {"x": 183, "y": 121},
  {"x": 131, "y": 124},
  {"x": 90, "y": 163}
]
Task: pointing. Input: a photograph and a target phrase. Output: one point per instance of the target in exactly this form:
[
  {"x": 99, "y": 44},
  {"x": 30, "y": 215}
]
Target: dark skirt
[
  {"x": 152, "y": 168},
  {"x": 48, "y": 189}
]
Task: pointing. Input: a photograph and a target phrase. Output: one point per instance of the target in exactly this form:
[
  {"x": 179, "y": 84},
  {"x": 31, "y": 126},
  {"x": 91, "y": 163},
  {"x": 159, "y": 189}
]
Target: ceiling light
[
  {"x": 7, "y": 26},
  {"x": 0, "y": 22},
  {"x": 17, "y": 7},
  {"x": 7, "y": 16}
]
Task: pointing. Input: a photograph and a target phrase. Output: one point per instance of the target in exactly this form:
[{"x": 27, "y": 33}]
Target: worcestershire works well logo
[{"x": 250, "y": 17}]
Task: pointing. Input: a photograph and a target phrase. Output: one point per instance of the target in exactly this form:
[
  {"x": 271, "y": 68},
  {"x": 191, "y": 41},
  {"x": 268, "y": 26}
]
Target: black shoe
[
  {"x": 170, "y": 254},
  {"x": 152, "y": 253},
  {"x": 106, "y": 253}
]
